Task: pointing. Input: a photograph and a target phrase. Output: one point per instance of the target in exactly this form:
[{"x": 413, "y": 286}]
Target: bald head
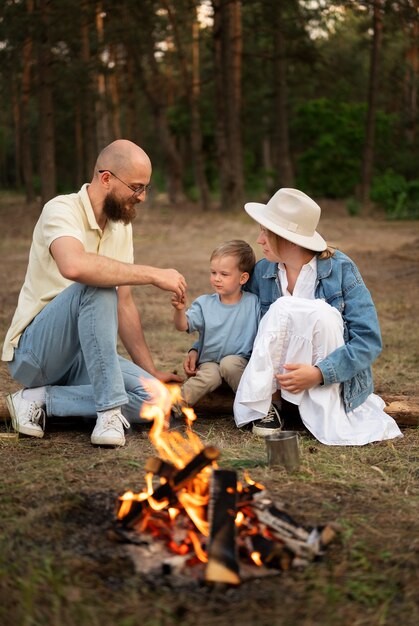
[{"x": 123, "y": 156}]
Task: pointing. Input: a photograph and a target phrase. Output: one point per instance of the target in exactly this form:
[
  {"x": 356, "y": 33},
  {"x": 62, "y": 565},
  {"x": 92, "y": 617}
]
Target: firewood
[
  {"x": 268, "y": 513},
  {"x": 222, "y": 566},
  {"x": 195, "y": 465},
  {"x": 168, "y": 490},
  {"x": 328, "y": 533},
  {"x": 273, "y": 554},
  {"x": 161, "y": 468}
]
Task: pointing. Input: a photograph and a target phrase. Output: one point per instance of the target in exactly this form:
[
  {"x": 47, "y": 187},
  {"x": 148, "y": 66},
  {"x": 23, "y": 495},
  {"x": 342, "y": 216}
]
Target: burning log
[
  {"x": 166, "y": 491},
  {"x": 161, "y": 468},
  {"x": 222, "y": 564},
  {"x": 207, "y": 519},
  {"x": 191, "y": 469},
  {"x": 270, "y": 553}
]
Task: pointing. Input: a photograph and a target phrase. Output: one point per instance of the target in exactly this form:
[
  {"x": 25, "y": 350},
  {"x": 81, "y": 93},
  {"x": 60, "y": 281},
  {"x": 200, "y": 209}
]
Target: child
[{"x": 227, "y": 321}]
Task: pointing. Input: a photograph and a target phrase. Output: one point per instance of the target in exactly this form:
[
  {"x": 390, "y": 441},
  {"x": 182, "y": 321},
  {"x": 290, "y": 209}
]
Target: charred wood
[{"x": 222, "y": 564}]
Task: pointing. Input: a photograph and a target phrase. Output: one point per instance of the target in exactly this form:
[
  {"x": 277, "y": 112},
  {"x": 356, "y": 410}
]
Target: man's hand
[
  {"x": 168, "y": 377},
  {"x": 299, "y": 377},
  {"x": 170, "y": 280},
  {"x": 189, "y": 364}
]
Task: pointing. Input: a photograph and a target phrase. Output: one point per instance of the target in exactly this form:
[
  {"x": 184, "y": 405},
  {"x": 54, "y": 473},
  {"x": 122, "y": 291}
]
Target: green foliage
[
  {"x": 387, "y": 188},
  {"x": 399, "y": 197},
  {"x": 353, "y": 206},
  {"x": 179, "y": 119},
  {"x": 329, "y": 136}
]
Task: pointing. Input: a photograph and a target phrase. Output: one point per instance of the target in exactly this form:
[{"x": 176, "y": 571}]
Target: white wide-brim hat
[{"x": 291, "y": 214}]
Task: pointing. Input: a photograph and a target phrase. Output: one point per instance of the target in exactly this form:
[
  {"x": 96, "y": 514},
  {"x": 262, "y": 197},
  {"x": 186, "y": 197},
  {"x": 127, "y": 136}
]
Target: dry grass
[{"x": 57, "y": 494}]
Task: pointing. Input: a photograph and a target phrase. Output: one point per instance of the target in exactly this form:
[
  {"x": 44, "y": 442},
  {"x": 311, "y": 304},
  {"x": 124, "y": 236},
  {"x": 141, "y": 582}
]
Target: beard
[{"x": 117, "y": 211}]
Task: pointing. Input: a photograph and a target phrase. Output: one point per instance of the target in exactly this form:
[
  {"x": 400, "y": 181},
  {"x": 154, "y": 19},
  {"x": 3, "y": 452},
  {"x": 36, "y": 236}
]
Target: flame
[
  {"x": 160, "y": 515},
  {"x": 252, "y": 482},
  {"x": 256, "y": 558},
  {"x": 171, "y": 445},
  {"x": 178, "y": 449},
  {"x": 125, "y": 507},
  {"x": 190, "y": 416},
  {"x": 173, "y": 513},
  {"x": 200, "y": 553},
  {"x": 239, "y": 518},
  {"x": 195, "y": 507}
]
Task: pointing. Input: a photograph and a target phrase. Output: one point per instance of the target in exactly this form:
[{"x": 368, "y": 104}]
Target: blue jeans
[{"x": 71, "y": 349}]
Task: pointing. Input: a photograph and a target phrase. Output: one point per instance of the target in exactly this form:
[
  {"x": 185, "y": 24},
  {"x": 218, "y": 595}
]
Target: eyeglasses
[{"x": 137, "y": 191}]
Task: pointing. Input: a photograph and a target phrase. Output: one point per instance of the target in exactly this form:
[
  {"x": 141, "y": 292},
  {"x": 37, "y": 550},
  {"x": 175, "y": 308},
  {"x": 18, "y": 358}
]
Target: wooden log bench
[{"x": 404, "y": 409}]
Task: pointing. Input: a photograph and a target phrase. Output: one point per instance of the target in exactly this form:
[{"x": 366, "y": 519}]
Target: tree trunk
[
  {"x": 102, "y": 118},
  {"x": 411, "y": 79},
  {"x": 155, "y": 93},
  {"x": 191, "y": 81},
  {"x": 132, "y": 131},
  {"x": 78, "y": 134},
  {"x": 368, "y": 157},
  {"x": 284, "y": 170},
  {"x": 17, "y": 131},
  {"x": 227, "y": 61},
  {"x": 46, "y": 108},
  {"x": 154, "y": 86},
  {"x": 88, "y": 117},
  {"x": 27, "y": 164},
  {"x": 173, "y": 161},
  {"x": 115, "y": 99},
  {"x": 196, "y": 133},
  {"x": 154, "y": 90}
]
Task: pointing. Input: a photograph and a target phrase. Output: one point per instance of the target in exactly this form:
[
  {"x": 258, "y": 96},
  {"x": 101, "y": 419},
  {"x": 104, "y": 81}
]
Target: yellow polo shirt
[{"x": 64, "y": 216}]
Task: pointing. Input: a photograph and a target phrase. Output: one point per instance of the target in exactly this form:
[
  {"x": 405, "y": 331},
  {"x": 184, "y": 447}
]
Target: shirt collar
[
  {"x": 311, "y": 264},
  {"x": 88, "y": 209}
]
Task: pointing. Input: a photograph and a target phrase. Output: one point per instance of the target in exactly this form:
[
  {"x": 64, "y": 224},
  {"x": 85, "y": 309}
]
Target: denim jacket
[{"x": 340, "y": 284}]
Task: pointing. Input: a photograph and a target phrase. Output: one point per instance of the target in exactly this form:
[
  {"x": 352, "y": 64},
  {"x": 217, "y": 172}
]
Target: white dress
[{"x": 302, "y": 329}]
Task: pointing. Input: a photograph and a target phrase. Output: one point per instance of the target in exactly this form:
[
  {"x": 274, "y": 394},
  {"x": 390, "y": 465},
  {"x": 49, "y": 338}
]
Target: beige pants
[{"x": 209, "y": 376}]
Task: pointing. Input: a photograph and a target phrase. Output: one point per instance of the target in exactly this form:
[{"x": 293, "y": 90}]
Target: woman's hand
[{"x": 299, "y": 377}]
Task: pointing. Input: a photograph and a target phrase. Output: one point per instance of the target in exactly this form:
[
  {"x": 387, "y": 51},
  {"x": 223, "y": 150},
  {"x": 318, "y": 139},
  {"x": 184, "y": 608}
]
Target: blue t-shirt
[{"x": 224, "y": 329}]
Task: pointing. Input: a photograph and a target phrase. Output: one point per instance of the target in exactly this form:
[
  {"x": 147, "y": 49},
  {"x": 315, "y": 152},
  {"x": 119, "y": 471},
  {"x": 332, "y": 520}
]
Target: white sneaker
[
  {"x": 271, "y": 424},
  {"x": 28, "y": 416},
  {"x": 109, "y": 429}
]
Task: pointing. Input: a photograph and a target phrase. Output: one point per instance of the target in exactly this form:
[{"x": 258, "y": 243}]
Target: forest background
[{"x": 231, "y": 98}]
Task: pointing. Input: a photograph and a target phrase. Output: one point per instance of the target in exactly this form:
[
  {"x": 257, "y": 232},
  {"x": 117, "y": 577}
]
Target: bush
[
  {"x": 399, "y": 197},
  {"x": 328, "y": 137}
]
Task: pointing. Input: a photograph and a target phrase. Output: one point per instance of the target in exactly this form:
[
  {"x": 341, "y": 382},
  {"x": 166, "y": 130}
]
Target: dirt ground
[{"x": 57, "y": 565}]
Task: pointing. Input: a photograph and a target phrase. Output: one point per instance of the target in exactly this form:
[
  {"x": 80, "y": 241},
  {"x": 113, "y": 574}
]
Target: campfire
[{"x": 194, "y": 518}]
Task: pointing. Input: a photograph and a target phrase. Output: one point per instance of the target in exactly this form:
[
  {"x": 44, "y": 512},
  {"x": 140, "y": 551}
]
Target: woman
[{"x": 320, "y": 333}]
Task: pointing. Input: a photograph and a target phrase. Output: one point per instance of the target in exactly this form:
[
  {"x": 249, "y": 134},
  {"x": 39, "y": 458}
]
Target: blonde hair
[
  {"x": 240, "y": 249},
  {"x": 326, "y": 254},
  {"x": 273, "y": 239}
]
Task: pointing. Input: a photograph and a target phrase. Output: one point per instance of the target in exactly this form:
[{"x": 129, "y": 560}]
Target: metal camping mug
[{"x": 283, "y": 450}]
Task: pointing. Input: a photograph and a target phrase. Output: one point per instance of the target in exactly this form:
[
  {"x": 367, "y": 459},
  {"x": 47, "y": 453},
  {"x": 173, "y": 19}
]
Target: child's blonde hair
[{"x": 246, "y": 258}]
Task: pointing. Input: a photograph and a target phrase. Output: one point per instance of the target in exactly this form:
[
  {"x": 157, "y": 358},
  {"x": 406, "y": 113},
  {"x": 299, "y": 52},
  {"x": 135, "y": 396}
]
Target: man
[{"x": 62, "y": 343}]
